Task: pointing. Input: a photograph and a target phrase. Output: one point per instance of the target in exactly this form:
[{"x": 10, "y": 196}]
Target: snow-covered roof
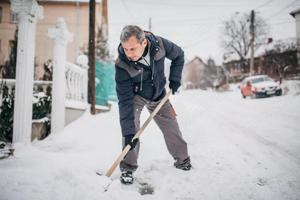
[
  {"x": 230, "y": 57},
  {"x": 261, "y": 50},
  {"x": 267, "y": 47},
  {"x": 195, "y": 59}
]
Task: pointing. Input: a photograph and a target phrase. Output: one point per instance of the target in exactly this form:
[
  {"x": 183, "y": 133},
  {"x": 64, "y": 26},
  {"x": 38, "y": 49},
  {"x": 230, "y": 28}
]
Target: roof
[
  {"x": 262, "y": 49},
  {"x": 195, "y": 59},
  {"x": 293, "y": 13}
]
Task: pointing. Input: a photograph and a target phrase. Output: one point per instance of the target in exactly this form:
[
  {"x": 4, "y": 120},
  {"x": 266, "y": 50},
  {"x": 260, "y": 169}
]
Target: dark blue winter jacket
[{"x": 134, "y": 78}]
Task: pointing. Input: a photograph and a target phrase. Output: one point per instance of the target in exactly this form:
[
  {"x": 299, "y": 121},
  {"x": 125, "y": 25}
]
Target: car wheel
[
  {"x": 243, "y": 95},
  {"x": 278, "y": 93},
  {"x": 254, "y": 95}
]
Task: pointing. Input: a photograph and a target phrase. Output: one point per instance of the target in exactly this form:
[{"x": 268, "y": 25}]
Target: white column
[
  {"x": 61, "y": 37},
  {"x": 29, "y": 12}
]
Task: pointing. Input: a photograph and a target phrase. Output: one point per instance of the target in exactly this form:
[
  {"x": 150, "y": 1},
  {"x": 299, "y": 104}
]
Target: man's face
[{"x": 133, "y": 49}]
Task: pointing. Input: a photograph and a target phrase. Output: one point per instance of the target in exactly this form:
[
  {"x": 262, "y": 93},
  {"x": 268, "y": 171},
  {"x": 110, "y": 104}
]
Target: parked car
[{"x": 260, "y": 86}]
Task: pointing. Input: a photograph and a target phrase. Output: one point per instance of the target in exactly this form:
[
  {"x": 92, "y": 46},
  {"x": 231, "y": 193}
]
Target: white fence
[{"x": 76, "y": 88}]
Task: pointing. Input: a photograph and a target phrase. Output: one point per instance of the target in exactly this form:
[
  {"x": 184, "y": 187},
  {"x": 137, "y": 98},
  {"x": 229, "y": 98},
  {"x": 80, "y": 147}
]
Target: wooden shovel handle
[{"x": 137, "y": 135}]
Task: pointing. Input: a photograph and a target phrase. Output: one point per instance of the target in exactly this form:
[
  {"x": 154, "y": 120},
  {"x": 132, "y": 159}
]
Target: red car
[{"x": 260, "y": 86}]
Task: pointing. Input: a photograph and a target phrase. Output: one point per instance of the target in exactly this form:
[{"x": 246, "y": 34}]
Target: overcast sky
[{"x": 195, "y": 25}]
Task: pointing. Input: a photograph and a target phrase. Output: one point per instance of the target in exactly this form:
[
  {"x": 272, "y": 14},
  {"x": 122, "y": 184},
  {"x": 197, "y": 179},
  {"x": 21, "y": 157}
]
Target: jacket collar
[{"x": 157, "y": 50}]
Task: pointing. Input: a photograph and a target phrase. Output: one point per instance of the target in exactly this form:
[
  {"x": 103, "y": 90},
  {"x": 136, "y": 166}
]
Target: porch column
[
  {"x": 60, "y": 36},
  {"x": 28, "y": 12}
]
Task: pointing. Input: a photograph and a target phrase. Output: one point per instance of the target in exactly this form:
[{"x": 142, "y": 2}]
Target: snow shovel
[{"x": 137, "y": 135}]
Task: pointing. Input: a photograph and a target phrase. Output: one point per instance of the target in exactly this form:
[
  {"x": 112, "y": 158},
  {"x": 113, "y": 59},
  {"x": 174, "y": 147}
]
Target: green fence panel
[{"x": 105, "y": 82}]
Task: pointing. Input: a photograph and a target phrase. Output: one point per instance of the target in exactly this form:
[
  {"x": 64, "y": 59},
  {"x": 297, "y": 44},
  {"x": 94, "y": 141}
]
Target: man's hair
[{"x": 132, "y": 30}]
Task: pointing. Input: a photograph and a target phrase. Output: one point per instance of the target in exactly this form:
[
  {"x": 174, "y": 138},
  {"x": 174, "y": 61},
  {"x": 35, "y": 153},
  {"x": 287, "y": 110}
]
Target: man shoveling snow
[{"x": 140, "y": 81}]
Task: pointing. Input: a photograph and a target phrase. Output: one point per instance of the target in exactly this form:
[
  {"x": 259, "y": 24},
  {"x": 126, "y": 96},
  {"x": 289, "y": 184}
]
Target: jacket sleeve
[
  {"x": 176, "y": 55},
  {"x": 125, "y": 95}
]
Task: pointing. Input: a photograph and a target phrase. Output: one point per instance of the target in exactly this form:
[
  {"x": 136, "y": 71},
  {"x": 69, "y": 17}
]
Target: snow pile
[
  {"x": 240, "y": 149},
  {"x": 291, "y": 87}
]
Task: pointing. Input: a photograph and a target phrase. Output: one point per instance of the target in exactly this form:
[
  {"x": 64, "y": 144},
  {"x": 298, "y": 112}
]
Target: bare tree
[
  {"x": 101, "y": 46},
  {"x": 236, "y": 38},
  {"x": 102, "y": 50},
  {"x": 282, "y": 57}
]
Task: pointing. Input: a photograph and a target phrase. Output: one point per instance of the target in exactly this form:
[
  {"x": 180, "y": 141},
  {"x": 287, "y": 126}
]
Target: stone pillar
[
  {"x": 29, "y": 12},
  {"x": 60, "y": 36}
]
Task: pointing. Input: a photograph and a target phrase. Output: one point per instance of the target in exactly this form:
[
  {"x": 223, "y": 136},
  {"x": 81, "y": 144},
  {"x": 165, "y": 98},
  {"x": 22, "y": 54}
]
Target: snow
[
  {"x": 240, "y": 149},
  {"x": 42, "y": 120},
  {"x": 291, "y": 87},
  {"x": 36, "y": 97}
]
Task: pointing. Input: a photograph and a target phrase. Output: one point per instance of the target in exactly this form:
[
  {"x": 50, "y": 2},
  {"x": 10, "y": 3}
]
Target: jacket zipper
[{"x": 141, "y": 84}]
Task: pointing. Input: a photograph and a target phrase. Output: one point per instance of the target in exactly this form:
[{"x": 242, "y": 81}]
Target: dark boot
[
  {"x": 184, "y": 165},
  {"x": 126, "y": 177}
]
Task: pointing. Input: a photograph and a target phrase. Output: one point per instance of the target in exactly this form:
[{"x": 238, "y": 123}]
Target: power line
[
  {"x": 263, "y": 5},
  {"x": 185, "y": 4},
  {"x": 282, "y": 9},
  {"x": 279, "y": 23},
  {"x": 199, "y": 41}
]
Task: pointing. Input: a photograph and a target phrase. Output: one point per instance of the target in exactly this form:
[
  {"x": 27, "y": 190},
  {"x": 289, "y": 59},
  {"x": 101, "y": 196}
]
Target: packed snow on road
[{"x": 240, "y": 149}]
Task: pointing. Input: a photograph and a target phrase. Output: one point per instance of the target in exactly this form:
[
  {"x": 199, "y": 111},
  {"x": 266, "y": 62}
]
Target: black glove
[
  {"x": 174, "y": 85},
  {"x": 128, "y": 140}
]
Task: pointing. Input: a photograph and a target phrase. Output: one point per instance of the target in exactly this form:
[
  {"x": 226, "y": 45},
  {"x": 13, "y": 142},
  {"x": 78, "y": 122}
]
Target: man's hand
[
  {"x": 128, "y": 140},
  {"x": 174, "y": 85}
]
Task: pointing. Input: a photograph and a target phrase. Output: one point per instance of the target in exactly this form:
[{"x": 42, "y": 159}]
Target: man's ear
[{"x": 144, "y": 43}]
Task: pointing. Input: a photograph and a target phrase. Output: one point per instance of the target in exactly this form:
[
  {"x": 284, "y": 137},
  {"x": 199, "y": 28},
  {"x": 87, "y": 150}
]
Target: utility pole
[
  {"x": 252, "y": 33},
  {"x": 149, "y": 24},
  {"x": 77, "y": 34},
  {"x": 92, "y": 98}
]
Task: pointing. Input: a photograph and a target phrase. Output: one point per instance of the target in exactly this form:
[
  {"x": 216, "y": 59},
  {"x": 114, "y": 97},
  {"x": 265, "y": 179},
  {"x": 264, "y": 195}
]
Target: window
[
  {"x": 13, "y": 18},
  {"x": 1, "y": 13}
]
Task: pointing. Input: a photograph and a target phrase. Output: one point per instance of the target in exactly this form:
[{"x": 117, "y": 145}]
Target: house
[
  {"x": 76, "y": 16},
  {"x": 193, "y": 74},
  {"x": 197, "y": 74},
  {"x": 276, "y": 58}
]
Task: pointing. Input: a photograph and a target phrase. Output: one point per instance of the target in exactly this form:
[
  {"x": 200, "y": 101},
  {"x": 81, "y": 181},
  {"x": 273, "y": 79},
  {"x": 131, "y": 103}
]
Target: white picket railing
[{"x": 76, "y": 86}]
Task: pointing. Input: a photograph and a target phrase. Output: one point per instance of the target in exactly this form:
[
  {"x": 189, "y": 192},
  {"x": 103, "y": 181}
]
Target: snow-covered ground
[{"x": 240, "y": 149}]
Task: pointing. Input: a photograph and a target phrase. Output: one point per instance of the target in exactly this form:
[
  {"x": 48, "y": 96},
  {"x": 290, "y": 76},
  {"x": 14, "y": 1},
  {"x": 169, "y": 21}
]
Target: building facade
[
  {"x": 193, "y": 74},
  {"x": 76, "y": 16},
  {"x": 278, "y": 59}
]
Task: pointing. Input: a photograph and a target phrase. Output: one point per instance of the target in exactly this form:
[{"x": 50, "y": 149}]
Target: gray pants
[{"x": 166, "y": 121}]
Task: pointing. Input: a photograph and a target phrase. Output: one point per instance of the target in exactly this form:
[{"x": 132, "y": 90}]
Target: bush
[
  {"x": 41, "y": 109},
  {"x": 6, "y": 118},
  {"x": 41, "y": 106}
]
